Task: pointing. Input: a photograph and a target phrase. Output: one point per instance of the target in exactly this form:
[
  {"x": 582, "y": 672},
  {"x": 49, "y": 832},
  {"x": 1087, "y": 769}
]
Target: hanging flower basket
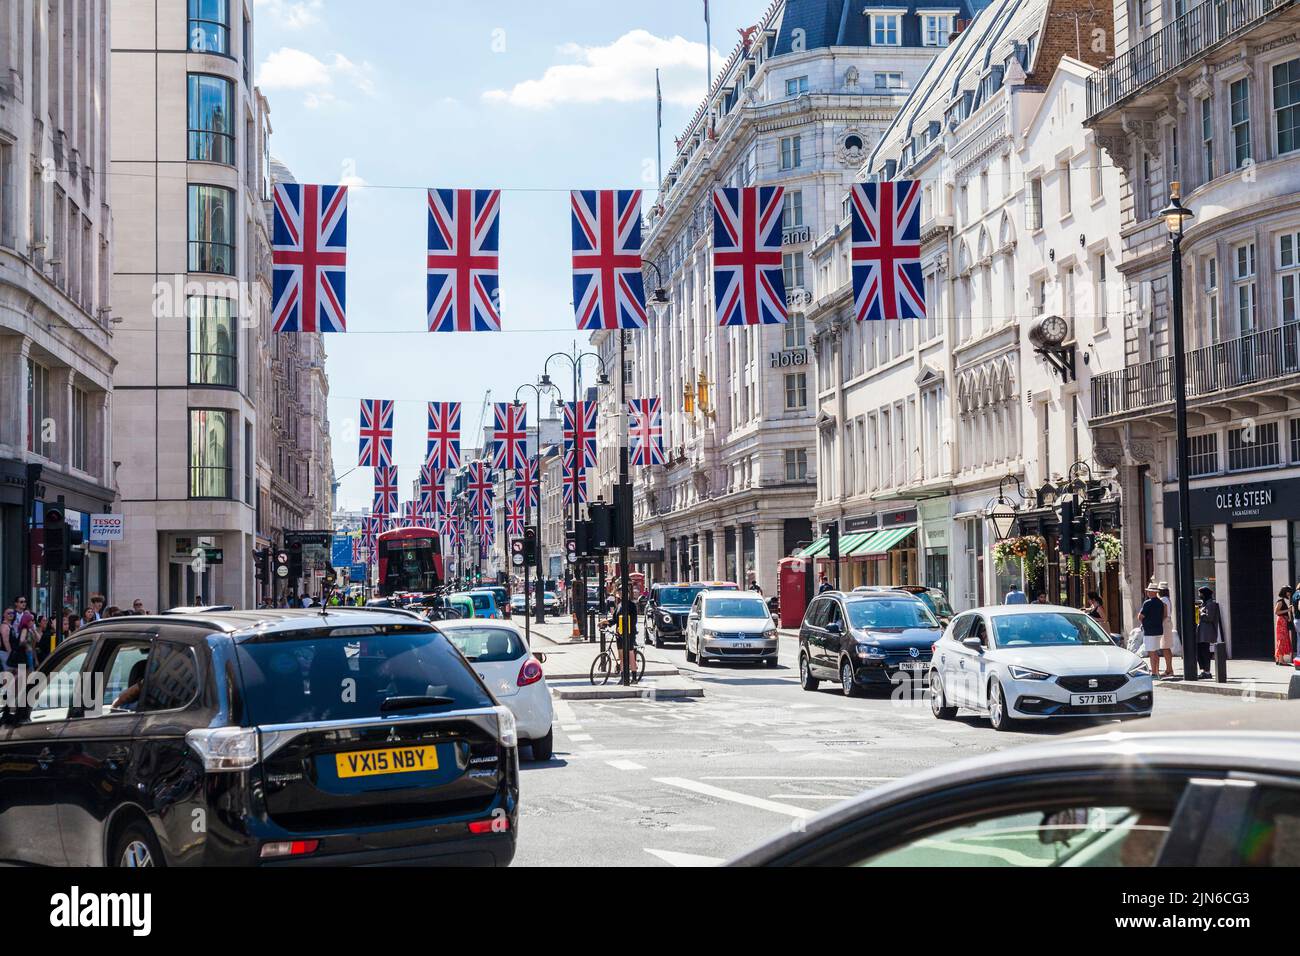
[
  {"x": 1107, "y": 552},
  {"x": 1030, "y": 550}
]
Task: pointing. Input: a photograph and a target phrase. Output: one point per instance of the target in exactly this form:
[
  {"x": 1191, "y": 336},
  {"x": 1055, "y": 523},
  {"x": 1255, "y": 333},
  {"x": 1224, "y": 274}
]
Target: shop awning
[
  {"x": 882, "y": 541},
  {"x": 817, "y": 547},
  {"x": 850, "y": 543}
]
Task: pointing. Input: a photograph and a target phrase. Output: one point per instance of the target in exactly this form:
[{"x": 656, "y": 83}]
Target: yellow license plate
[{"x": 368, "y": 763}]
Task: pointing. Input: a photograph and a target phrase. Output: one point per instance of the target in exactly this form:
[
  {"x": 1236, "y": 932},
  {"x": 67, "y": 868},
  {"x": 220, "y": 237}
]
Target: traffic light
[
  {"x": 74, "y": 552},
  {"x": 601, "y": 517},
  {"x": 622, "y": 518},
  {"x": 1075, "y": 538},
  {"x": 582, "y": 539},
  {"x": 530, "y": 546},
  {"x": 259, "y": 564},
  {"x": 294, "y": 547},
  {"x": 833, "y": 532},
  {"x": 55, "y": 540}
]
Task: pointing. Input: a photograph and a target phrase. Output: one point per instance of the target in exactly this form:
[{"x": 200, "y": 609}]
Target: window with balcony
[
  {"x": 1239, "y": 121},
  {"x": 211, "y": 119},
  {"x": 1203, "y": 455},
  {"x": 1288, "y": 275},
  {"x": 935, "y": 29},
  {"x": 210, "y": 453},
  {"x": 1244, "y": 288},
  {"x": 796, "y": 391},
  {"x": 1286, "y": 105},
  {"x": 213, "y": 341},
  {"x": 209, "y": 26},
  {"x": 796, "y": 85},
  {"x": 211, "y": 229},
  {"x": 792, "y": 211},
  {"x": 790, "y": 152},
  {"x": 1254, "y": 446},
  {"x": 1207, "y": 139},
  {"x": 885, "y": 29}
]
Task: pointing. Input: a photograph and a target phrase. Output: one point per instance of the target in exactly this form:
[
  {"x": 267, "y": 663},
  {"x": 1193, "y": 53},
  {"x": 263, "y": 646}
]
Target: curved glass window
[
  {"x": 210, "y": 453},
  {"x": 213, "y": 341},
  {"x": 212, "y": 230},
  {"x": 211, "y": 119},
  {"x": 209, "y": 26}
]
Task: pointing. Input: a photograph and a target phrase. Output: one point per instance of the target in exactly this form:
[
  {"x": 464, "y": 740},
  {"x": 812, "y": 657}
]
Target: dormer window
[
  {"x": 887, "y": 27},
  {"x": 796, "y": 85},
  {"x": 936, "y": 27}
]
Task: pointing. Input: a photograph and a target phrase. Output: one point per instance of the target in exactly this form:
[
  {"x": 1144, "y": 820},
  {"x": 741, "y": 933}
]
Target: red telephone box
[{"x": 794, "y": 583}]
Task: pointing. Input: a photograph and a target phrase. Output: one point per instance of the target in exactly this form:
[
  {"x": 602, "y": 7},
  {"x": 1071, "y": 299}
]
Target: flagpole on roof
[
  {"x": 659, "y": 136},
  {"x": 708, "y": 53}
]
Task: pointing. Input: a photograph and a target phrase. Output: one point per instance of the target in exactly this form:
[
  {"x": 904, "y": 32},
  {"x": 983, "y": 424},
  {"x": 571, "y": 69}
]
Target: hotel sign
[
  {"x": 796, "y": 234},
  {"x": 1228, "y": 504},
  {"x": 787, "y": 358}
]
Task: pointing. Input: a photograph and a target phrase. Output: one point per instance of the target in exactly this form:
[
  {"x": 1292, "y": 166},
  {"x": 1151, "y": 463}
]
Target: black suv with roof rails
[{"x": 325, "y": 736}]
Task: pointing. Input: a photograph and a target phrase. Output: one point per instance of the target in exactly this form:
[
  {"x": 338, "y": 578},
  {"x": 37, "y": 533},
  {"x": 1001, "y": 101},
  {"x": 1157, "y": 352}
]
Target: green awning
[
  {"x": 882, "y": 541},
  {"x": 851, "y": 542},
  {"x": 818, "y": 546}
]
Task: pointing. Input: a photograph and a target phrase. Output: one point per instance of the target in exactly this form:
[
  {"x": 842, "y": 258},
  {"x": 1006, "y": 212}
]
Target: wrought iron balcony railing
[
  {"x": 1256, "y": 358},
  {"x": 1173, "y": 47}
]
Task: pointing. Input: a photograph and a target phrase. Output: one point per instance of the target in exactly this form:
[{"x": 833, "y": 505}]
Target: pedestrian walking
[
  {"x": 97, "y": 605},
  {"x": 1094, "y": 608},
  {"x": 824, "y": 585},
  {"x": 1283, "y": 649},
  {"x": 1152, "y": 620},
  {"x": 1209, "y": 629},
  {"x": 1015, "y": 596},
  {"x": 8, "y": 634},
  {"x": 137, "y": 607}
]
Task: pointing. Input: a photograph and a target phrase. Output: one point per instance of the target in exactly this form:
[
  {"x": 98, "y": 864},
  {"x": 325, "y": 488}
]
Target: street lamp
[
  {"x": 1003, "y": 516},
  {"x": 539, "y": 608},
  {"x": 1174, "y": 215}
]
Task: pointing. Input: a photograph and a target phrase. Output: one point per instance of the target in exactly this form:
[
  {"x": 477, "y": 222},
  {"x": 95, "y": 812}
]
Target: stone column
[
  {"x": 60, "y": 451},
  {"x": 767, "y": 552},
  {"x": 14, "y": 350},
  {"x": 719, "y": 556}
]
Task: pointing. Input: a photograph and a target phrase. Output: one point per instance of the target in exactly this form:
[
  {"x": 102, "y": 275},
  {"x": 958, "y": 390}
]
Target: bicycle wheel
[
  {"x": 601, "y": 669},
  {"x": 638, "y": 668}
]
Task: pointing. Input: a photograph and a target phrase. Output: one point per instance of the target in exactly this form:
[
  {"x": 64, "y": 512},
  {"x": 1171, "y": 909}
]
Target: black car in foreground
[
  {"x": 866, "y": 639},
  {"x": 1219, "y": 788},
  {"x": 323, "y": 736}
]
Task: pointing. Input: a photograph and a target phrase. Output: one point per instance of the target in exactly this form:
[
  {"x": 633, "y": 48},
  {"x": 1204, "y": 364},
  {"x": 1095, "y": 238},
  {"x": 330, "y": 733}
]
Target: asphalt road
[{"x": 696, "y": 781}]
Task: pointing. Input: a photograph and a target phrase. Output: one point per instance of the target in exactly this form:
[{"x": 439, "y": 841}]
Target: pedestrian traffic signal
[
  {"x": 530, "y": 546},
  {"x": 55, "y": 540}
]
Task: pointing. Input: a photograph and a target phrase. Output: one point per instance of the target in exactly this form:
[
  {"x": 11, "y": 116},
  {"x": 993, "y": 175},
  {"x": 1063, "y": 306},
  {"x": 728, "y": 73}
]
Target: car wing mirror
[
  {"x": 974, "y": 643},
  {"x": 834, "y": 627}
]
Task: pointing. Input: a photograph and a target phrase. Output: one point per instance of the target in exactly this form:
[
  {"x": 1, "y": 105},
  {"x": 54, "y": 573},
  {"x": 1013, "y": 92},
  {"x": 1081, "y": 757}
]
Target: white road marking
[
  {"x": 740, "y": 777},
  {"x": 685, "y": 859},
  {"x": 578, "y": 738},
  {"x": 709, "y": 790},
  {"x": 624, "y": 764},
  {"x": 809, "y": 796}
]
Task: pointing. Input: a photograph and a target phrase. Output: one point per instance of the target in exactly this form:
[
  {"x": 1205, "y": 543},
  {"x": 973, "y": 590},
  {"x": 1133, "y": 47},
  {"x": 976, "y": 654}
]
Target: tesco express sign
[{"x": 107, "y": 527}]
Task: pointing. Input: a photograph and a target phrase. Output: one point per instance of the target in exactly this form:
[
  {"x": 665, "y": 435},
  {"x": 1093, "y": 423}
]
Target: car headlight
[
  {"x": 665, "y": 617},
  {"x": 1140, "y": 669},
  {"x": 870, "y": 650},
  {"x": 1026, "y": 673},
  {"x": 770, "y": 634}
]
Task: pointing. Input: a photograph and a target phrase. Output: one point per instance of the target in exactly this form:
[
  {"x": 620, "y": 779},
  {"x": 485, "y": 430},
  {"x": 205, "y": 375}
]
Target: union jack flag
[
  {"x": 574, "y": 477},
  {"x": 385, "y": 490},
  {"x": 747, "y": 282},
  {"x": 510, "y": 437},
  {"x": 515, "y": 515},
  {"x": 480, "y": 488},
  {"x": 376, "y": 433},
  {"x": 309, "y": 254},
  {"x": 408, "y": 513},
  {"x": 608, "y": 291},
  {"x": 444, "y": 436},
  {"x": 369, "y": 532},
  {"x": 463, "y": 261},
  {"x": 527, "y": 482},
  {"x": 580, "y": 430},
  {"x": 430, "y": 488},
  {"x": 445, "y": 524},
  {"x": 483, "y": 525},
  {"x": 885, "y": 245},
  {"x": 645, "y": 432}
]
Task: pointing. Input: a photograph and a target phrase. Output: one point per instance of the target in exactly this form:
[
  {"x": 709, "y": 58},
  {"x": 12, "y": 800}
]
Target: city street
[{"x": 695, "y": 781}]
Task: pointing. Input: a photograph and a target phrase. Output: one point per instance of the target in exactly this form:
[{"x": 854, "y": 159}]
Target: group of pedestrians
[
  {"x": 1159, "y": 634},
  {"x": 28, "y": 637}
]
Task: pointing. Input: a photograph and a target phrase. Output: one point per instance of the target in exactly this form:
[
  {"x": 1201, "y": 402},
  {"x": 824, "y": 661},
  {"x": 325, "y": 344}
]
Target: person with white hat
[{"x": 1152, "y": 618}]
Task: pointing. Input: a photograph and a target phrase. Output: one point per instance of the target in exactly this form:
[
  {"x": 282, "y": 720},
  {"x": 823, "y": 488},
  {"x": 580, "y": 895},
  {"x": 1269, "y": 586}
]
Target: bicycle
[{"x": 609, "y": 663}]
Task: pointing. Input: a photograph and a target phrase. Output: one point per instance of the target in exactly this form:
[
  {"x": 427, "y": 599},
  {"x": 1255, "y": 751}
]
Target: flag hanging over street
[
  {"x": 309, "y": 243},
  {"x": 527, "y": 481},
  {"x": 580, "y": 431},
  {"x": 483, "y": 525},
  {"x": 430, "y": 487},
  {"x": 369, "y": 534},
  {"x": 885, "y": 246},
  {"x": 443, "y": 450},
  {"x": 748, "y": 287},
  {"x": 445, "y": 524},
  {"x": 376, "y": 433},
  {"x": 645, "y": 432},
  {"x": 515, "y": 515},
  {"x": 385, "y": 490},
  {"x": 574, "y": 477},
  {"x": 608, "y": 291},
  {"x": 462, "y": 284},
  {"x": 480, "y": 488},
  {"x": 510, "y": 436}
]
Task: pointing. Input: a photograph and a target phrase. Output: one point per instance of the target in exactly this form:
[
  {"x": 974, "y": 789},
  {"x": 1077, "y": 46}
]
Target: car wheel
[
  {"x": 690, "y": 655},
  {"x": 543, "y": 747},
  {"x": 847, "y": 683},
  {"x": 806, "y": 680},
  {"x": 136, "y": 847},
  {"x": 658, "y": 639},
  {"x": 998, "y": 716},
  {"x": 937, "y": 705}
]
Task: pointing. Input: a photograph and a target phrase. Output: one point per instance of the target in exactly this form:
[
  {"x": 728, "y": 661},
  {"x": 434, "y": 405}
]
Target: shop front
[{"x": 875, "y": 550}]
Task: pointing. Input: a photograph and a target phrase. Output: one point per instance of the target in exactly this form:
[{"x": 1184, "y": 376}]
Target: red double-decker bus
[{"x": 410, "y": 559}]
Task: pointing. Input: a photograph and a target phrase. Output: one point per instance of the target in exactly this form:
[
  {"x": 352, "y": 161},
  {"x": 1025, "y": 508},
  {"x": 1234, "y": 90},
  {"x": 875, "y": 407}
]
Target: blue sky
[{"x": 531, "y": 98}]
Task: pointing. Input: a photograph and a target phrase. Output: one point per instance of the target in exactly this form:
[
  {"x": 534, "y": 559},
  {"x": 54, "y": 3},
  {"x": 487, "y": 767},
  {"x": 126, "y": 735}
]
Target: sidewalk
[{"x": 568, "y": 668}]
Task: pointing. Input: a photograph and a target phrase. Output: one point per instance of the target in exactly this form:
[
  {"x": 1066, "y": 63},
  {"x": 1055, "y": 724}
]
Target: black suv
[
  {"x": 866, "y": 638},
  {"x": 667, "y": 606},
  {"x": 323, "y": 736}
]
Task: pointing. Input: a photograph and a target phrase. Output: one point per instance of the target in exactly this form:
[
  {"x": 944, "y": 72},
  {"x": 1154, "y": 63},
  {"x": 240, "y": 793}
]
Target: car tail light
[
  {"x": 289, "y": 848},
  {"x": 499, "y": 824},
  {"x": 530, "y": 673},
  {"x": 225, "y": 748}
]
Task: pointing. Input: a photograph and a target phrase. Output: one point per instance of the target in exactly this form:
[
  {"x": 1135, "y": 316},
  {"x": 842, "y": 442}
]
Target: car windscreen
[
  {"x": 482, "y": 602},
  {"x": 735, "y": 607},
  {"x": 890, "y": 613},
  {"x": 1048, "y": 629},
  {"x": 677, "y": 597},
  {"x": 487, "y": 645},
  {"x": 348, "y": 673}
]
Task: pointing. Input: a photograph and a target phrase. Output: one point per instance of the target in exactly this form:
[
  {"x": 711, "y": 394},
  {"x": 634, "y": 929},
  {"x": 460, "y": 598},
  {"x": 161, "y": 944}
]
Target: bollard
[
  {"x": 593, "y": 630},
  {"x": 1221, "y": 662}
]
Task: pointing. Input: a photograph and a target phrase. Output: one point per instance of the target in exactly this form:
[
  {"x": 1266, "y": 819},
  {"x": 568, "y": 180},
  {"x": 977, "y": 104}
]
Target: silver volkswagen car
[{"x": 731, "y": 625}]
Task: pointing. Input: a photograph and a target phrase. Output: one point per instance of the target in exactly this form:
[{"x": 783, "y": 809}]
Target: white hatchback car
[
  {"x": 1032, "y": 662},
  {"x": 731, "y": 625},
  {"x": 500, "y": 655}
]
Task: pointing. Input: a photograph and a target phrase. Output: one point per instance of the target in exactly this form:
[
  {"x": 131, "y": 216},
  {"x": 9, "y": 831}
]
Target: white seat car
[
  {"x": 1033, "y": 662},
  {"x": 500, "y": 655},
  {"x": 731, "y": 625}
]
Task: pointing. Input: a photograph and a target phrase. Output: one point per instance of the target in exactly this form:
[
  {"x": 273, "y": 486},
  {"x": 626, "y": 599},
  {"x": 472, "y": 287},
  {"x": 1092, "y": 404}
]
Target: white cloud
[
  {"x": 290, "y": 69},
  {"x": 621, "y": 72},
  {"x": 291, "y": 15}
]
